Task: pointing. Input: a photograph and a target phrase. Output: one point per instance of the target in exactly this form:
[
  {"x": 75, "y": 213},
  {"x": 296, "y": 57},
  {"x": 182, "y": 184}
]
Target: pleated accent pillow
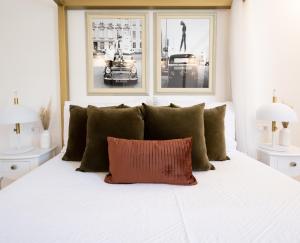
[{"x": 145, "y": 161}]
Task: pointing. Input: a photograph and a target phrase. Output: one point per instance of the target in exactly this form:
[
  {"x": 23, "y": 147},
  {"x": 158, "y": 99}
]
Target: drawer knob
[
  {"x": 13, "y": 167},
  {"x": 293, "y": 164}
]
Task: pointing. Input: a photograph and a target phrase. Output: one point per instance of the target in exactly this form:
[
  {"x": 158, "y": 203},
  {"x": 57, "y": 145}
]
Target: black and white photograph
[
  {"x": 185, "y": 53},
  {"x": 116, "y": 53}
]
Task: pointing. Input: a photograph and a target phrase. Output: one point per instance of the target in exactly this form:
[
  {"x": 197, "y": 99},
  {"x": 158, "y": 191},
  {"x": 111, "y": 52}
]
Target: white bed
[{"x": 241, "y": 201}]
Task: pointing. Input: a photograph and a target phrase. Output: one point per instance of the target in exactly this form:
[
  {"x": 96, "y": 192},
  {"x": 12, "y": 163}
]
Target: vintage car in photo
[
  {"x": 182, "y": 71},
  {"x": 121, "y": 71}
]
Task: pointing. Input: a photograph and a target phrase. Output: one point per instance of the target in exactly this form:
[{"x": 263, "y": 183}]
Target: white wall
[
  {"x": 77, "y": 59},
  {"x": 265, "y": 55},
  {"x": 29, "y": 60}
]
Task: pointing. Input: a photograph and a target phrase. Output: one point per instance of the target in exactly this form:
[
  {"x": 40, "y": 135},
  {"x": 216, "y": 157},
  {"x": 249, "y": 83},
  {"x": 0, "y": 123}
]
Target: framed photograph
[
  {"x": 185, "y": 53},
  {"x": 116, "y": 53}
]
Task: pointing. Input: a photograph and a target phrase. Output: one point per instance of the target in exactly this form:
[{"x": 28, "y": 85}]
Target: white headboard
[{"x": 160, "y": 100}]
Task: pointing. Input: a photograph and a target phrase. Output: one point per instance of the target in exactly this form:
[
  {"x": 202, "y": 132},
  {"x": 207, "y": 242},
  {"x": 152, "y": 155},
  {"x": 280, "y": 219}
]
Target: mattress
[{"x": 241, "y": 201}]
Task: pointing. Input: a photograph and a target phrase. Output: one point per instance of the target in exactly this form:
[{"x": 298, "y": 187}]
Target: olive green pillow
[
  {"x": 141, "y": 107},
  {"x": 77, "y": 132},
  {"x": 163, "y": 123},
  {"x": 214, "y": 132},
  {"x": 121, "y": 123}
]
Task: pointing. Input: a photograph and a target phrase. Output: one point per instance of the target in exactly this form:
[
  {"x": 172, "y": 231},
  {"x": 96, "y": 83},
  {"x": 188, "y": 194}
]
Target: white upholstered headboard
[{"x": 160, "y": 100}]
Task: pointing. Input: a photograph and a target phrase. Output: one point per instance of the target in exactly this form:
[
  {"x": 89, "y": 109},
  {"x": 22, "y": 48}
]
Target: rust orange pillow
[{"x": 150, "y": 161}]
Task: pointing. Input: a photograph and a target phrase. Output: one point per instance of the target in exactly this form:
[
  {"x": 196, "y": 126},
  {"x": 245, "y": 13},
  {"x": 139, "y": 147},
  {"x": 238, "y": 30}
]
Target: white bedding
[{"x": 241, "y": 201}]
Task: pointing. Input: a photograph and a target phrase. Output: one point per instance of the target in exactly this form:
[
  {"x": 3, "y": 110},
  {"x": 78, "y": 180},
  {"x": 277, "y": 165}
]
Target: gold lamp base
[{"x": 17, "y": 129}]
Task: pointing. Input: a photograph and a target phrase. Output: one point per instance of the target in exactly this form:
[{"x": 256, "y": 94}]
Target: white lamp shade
[
  {"x": 276, "y": 112},
  {"x": 17, "y": 114}
]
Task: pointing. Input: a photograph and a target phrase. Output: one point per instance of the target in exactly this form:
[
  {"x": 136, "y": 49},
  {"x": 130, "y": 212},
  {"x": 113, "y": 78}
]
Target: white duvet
[{"x": 241, "y": 201}]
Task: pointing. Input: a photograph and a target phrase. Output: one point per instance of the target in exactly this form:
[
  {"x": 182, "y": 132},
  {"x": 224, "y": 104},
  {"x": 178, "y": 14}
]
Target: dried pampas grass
[
  {"x": 45, "y": 115},
  {"x": 285, "y": 124}
]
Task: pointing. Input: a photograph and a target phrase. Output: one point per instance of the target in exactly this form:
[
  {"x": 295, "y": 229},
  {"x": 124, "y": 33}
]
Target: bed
[{"x": 243, "y": 200}]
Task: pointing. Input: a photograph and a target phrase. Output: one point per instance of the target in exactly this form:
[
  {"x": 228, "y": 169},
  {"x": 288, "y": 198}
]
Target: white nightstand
[
  {"x": 287, "y": 162},
  {"x": 14, "y": 166}
]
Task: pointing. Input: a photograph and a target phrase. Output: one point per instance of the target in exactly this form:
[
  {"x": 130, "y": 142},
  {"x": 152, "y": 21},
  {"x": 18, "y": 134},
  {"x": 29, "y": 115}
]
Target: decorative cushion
[
  {"x": 123, "y": 123},
  {"x": 77, "y": 132},
  {"x": 214, "y": 132},
  {"x": 141, "y": 107},
  {"x": 162, "y": 123},
  {"x": 134, "y": 161}
]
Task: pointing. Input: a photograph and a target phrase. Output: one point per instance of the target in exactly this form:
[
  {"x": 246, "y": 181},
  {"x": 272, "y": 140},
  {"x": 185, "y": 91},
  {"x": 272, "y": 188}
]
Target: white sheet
[{"x": 241, "y": 201}]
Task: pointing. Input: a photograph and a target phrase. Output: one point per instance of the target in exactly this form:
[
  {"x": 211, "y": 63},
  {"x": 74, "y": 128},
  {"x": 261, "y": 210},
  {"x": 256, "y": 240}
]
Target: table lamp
[
  {"x": 17, "y": 114},
  {"x": 276, "y": 112}
]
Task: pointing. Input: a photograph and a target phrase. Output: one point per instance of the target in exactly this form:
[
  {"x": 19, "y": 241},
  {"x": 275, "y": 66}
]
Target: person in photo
[
  {"x": 183, "y": 37},
  {"x": 109, "y": 55}
]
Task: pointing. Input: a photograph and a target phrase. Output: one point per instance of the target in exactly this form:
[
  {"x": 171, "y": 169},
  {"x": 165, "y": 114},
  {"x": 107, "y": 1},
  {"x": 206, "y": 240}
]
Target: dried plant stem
[
  {"x": 285, "y": 124},
  {"x": 45, "y": 115}
]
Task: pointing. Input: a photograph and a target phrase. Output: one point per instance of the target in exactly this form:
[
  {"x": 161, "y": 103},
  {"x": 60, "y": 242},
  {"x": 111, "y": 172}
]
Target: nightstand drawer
[
  {"x": 13, "y": 170},
  {"x": 289, "y": 165}
]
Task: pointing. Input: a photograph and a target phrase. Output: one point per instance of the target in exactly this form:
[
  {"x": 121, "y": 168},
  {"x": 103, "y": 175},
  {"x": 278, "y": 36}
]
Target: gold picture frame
[
  {"x": 116, "y": 53},
  {"x": 184, "y": 70}
]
